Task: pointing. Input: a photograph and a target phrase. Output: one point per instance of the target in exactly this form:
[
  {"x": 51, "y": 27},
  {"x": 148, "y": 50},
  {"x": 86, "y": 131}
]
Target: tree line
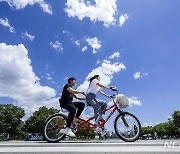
[{"x": 170, "y": 129}]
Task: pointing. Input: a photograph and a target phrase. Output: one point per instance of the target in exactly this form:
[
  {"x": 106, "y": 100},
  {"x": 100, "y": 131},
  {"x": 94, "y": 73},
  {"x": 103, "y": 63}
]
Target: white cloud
[
  {"x": 103, "y": 10},
  {"x": 84, "y": 48},
  {"x": 48, "y": 76},
  {"x": 146, "y": 124},
  {"x": 106, "y": 72},
  {"x": 20, "y": 4},
  {"x": 46, "y": 7},
  {"x": 94, "y": 43},
  {"x": 5, "y": 23},
  {"x": 115, "y": 55},
  {"x": 28, "y": 36},
  {"x": 19, "y": 82},
  {"x": 122, "y": 19},
  {"x": 98, "y": 61},
  {"x": 77, "y": 42},
  {"x": 134, "y": 101},
  {"x": 138, "y": 75},
  {"x": 57, "y": 46}
]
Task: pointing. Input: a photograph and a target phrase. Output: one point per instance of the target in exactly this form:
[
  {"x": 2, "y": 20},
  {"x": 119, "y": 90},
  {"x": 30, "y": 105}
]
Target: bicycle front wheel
[
  {"x": 52, "y": 128},
  {"x": 127, "y": 127}
]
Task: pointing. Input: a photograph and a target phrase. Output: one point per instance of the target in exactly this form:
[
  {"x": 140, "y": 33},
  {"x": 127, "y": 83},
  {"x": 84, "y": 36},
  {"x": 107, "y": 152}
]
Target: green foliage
[
  {"x": 35, "y": 123},
  {"x": 10, "y": 120},
  {"x": 176, "y": 118},
  {"x": 170, "y": 128}
]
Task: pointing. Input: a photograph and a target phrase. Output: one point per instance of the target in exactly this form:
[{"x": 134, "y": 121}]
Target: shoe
[
  {"x": 98, "y": 130},
  {"x": 76, "y": 120},
  {"x": 101, "y": 119},
  {"x": 68, "y": 132}
]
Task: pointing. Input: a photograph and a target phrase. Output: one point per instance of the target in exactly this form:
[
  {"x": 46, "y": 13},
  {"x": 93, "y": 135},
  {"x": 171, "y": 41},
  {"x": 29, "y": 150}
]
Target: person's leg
[
  {"x": 72, "y": 110},
  {"x": 102, "y": 104},
  {"x": 80, "y": 107},
  {"x": 97, "y": 108}
]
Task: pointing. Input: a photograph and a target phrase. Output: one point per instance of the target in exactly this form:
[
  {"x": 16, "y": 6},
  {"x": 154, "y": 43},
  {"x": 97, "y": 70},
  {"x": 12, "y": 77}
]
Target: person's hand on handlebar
[
  {"x": 112, "y": 87},
  {"x": 111, "y": 96},
  {"x": 83, "y": 93}
]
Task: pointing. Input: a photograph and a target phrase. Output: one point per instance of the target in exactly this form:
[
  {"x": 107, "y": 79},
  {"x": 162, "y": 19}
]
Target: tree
[
  {"x": 176, "y": 118},
  {"x": 170, "y": 128},
  {"x": 35, "y": 123},
  {"x": 10, "y": 120}
]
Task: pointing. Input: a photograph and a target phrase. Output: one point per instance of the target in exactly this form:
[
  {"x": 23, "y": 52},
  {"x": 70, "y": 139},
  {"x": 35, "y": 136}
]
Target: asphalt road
[{"x": 96, "y": 146}]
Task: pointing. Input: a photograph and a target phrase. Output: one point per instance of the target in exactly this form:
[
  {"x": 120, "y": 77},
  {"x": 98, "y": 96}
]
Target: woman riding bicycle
[{"x": 91, "y": 99}]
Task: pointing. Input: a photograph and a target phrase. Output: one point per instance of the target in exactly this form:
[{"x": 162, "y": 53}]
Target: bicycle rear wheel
[
  {"x": 127, "y": 127},
  {"x": 52, "y": 128}
]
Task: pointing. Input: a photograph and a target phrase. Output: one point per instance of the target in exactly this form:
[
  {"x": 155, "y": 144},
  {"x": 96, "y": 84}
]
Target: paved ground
[{"x": 108, "y": 147}]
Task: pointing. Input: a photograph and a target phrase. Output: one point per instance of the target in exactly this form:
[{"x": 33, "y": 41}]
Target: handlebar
[
  {"x": 114, "y": 95},
  {"x": 113, "y": 89}
]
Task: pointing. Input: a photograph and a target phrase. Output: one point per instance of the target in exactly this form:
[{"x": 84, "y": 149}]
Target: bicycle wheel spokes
[
  {"x": 53, "y": 127},
  {"x": 127, "y": 127}
]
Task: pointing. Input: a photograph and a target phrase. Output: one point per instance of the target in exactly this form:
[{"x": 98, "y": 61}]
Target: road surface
[{"x": 91, "y": 147}]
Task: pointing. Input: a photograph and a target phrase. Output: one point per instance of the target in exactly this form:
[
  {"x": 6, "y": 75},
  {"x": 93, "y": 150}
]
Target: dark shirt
[{"x": 66, "y": 96}]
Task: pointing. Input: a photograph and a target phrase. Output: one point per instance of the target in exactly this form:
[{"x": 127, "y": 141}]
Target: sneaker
[
  {"x": 98, "y": 130},
  {"x": 76, "y": 120},
  {"x": 101, "y": 119},
  {"x": 68, "y": 132}
]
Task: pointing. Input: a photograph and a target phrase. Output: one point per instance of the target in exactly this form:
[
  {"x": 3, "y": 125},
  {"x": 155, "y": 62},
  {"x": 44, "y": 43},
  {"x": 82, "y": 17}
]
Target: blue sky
[{"x": 134, "y": 45}]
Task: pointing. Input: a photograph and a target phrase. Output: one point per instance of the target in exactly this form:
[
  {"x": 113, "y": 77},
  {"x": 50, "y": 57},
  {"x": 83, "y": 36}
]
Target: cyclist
[
  {"x": 98, "y": 105},
  {"x": 67, "y": 103}
]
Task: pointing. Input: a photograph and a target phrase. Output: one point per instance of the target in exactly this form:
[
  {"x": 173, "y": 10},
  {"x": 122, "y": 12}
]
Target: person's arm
[
  {"x": 105, "y": 87},
  {"x": 80, "y": 98},
  {"x": 104, "y": 94},
  {"x": 75, "y": 91},
  {"x": 102, "y": 86}
]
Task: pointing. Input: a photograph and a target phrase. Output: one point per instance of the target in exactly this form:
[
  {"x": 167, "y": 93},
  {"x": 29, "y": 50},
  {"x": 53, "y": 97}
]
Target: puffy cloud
[
  {"x": 94, "y": 43},
  {"x": 57, "y": 46},
  {"x": 122, "y": 19},
  {"x": 115, "y": 55},
  {"x": 138, "y": 75},
  {"x": 134, "y": 101},
  {"x": 102, "y": 10},
  {"x": 84, "y": 48},
  {"x": 106, "y": 72},
  {"x": 5, "y": 23},
  {"x": 20, "y": 4},
  {"x": 28, "y": 36},
  {"x": 46, "y": 7},
  {"x": 19, "y": 82}
]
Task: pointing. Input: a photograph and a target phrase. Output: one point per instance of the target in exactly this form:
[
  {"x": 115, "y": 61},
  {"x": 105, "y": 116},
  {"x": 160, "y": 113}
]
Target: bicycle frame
[{"x": 113, "y": 107}]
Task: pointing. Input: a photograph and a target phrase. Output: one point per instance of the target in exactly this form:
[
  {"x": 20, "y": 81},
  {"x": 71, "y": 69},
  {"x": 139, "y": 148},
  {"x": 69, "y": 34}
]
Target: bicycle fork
[{"x": 123, "y": 118}]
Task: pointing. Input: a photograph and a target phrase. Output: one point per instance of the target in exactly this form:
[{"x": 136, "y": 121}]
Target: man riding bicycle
[{"x": 67, "y": 103}]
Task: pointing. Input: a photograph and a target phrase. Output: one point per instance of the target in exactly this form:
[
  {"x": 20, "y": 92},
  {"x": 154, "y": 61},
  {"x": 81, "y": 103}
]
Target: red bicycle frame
[{"x": 91, "y": 125}]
